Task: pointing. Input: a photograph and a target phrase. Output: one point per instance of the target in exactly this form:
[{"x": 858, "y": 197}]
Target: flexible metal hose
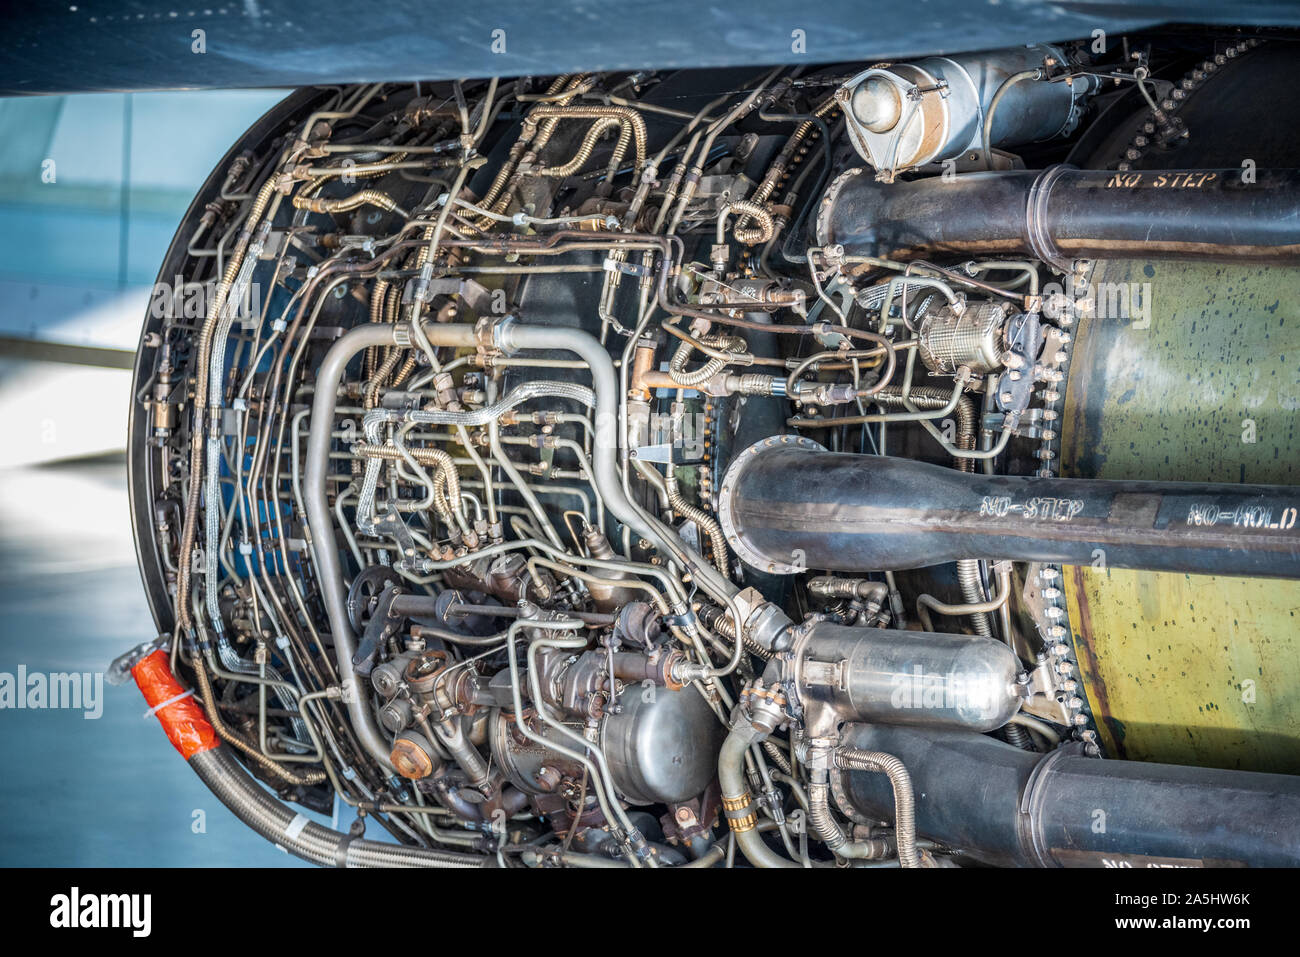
[
  {"x": 362, "y": 197},
  {"x": 968, "y": 577},
  {"x": 851, "y": 759},
  {"x": 585, "y": 149},
  {"x": 748, "y": 235},
  {"x": 376, "y": 383},
  {"x": 290, "y": 830},
  {"x": 498, "y": 188},
  {"x": 378, "y": 300},
  {"x": 776, "y": 756},
  {"x": 303, "y": 778},
  {"x": 628, "y": 117},
  {"x": 929, "y": 398},
  {"x": 724, "y": 626},
  {"x": 707, "y": 523},
  {"x": 682, "y": 354}
]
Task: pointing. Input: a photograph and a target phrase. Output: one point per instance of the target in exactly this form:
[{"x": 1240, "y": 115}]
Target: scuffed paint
[{"x": 1177, "y": 668}]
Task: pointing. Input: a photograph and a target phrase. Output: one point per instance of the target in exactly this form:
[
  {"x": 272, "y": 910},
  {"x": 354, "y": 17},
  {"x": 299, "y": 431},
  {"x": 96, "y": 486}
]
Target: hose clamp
[{"x": 741, "y": 816}]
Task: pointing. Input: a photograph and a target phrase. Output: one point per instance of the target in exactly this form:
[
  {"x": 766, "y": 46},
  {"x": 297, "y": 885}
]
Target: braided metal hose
[
  {"x": 682, "y": 354},
  {"x": 285, "y": 828},
  {"x": 851, "y": 759},
  {"x": 707, "y": 523},
  {"x": 751, "y": 236}
]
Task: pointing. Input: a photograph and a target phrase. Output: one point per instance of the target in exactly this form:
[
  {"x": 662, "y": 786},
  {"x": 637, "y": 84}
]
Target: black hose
[{"x": 1062, "y": 214}]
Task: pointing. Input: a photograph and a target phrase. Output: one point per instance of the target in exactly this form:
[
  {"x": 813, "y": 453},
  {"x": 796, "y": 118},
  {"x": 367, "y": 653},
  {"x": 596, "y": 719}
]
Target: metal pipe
[
  {"x": 1062, "y": 214},
  {"x": 511, "y": 337},
  {"x": 738, "y": 805},
  {"x": 1006, "y": 806},
  {"x": 847, "y": 512},
  {"x": 280, "y": 824},
  {"x": 320, "y": 521}
]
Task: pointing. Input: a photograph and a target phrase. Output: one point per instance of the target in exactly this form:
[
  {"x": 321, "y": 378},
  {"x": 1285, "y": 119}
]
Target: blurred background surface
[{"x": 92, "y": 188}]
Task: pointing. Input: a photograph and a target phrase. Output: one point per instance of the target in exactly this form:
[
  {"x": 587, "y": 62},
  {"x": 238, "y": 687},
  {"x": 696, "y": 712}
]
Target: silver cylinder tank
[
  {"x": 887, "y": 676},
  {"x": 905, "y": 115}
]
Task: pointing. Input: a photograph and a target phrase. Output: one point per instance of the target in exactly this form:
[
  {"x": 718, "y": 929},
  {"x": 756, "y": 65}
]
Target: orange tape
[{"x": 184, "y": 721}]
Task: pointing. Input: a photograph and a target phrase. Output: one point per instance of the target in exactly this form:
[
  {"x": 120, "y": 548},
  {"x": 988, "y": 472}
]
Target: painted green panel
[
  {"x": 1175, "y": 676},
  {"x": 1199, "y": 382}
]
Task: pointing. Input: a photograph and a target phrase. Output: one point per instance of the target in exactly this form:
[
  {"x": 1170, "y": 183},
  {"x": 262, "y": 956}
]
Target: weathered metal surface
[
  {"x": 1199, "y": 382},
  {"x": 1190, "y": 669}
]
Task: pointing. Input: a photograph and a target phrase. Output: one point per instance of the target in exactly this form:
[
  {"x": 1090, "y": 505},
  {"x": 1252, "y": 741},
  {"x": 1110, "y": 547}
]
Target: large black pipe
[
  {"x": 1006, "y": 806},
  {"x": 1062, "y": 214},
  {"x": 790, "y": 506}
]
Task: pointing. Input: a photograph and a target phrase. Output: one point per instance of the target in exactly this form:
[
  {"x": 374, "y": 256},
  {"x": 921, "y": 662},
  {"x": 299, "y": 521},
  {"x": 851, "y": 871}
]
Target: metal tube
[
  {"x": 857, "y": 512},
  {"x": 1061, "y": 214},
  {"x": 280, "y": 824},
  {"x": 1008, "y": 806},
  {"x": 511, "y": 337},
  {"x": 316, "y": 501}
]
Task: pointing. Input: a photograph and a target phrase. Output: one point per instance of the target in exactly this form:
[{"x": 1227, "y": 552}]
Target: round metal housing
[
  {"x": 906, "y": 115},
  {"x": 733, "y": 529},
  {"x": 663, "y": 745},
  {"x": 959, "y": 682}
]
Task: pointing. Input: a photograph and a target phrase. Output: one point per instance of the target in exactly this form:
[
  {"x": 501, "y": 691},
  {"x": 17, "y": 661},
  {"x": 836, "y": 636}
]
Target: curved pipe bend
[{"x": 286, "y": 828}]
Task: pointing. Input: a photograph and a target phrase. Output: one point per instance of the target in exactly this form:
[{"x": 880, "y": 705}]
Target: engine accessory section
[{"x": 816, "y": 466}]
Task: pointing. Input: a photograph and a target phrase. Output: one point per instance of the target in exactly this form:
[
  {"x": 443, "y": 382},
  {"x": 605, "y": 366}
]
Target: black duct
[
  {"x": 1011, "y": 807},
  {"x": 789, "y": 507},
  {"x": 1062, "y": 214}
]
